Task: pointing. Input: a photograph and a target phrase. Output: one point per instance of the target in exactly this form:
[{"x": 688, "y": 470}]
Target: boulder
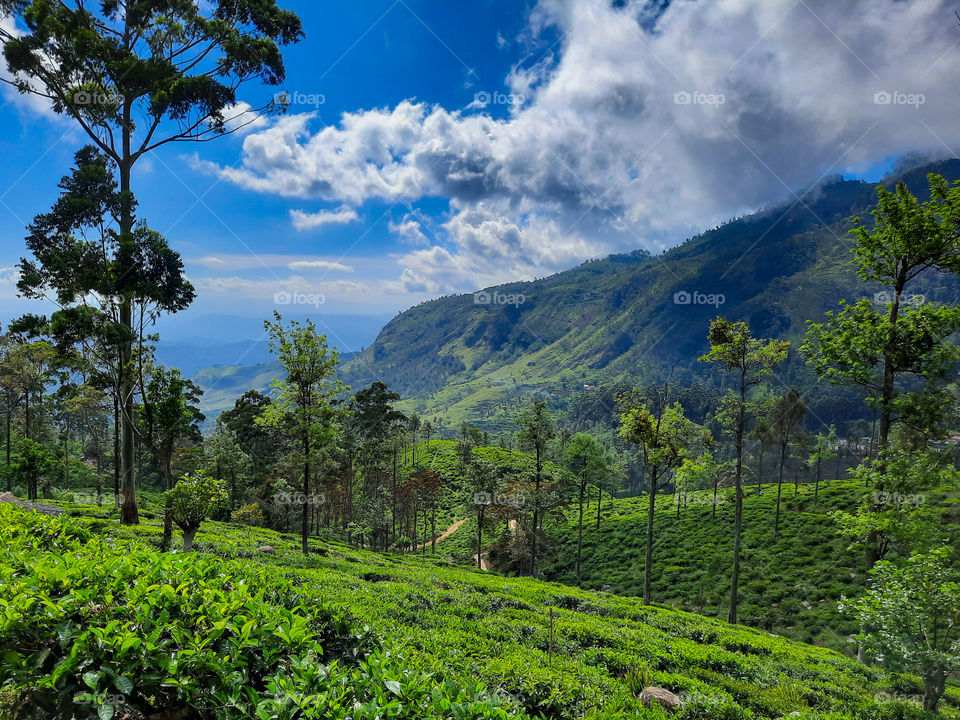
[
  {"x": 606, "y": 588},
  {"x": 9, "y": 497},
  {"x": 662, "y": 697},
  {"x": 266, "y": 549}
]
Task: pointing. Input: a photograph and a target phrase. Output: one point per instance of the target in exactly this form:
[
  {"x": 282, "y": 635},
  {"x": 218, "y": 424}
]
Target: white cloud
[
  {"x": 311, "y": 221},
  {"x": 636, "y": 130},
  {"x": 319, "y": 265}
]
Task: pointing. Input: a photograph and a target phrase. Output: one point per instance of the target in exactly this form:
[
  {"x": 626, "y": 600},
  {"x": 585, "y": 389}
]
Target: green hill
[
  {"x": 345, "y": 633},
  {"x": 617, "y": 318}
]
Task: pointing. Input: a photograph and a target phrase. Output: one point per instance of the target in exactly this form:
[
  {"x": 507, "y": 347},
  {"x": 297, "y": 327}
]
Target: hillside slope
[
  {"x": 617, "y": 317},
  {"x": 476, "y": 634}
]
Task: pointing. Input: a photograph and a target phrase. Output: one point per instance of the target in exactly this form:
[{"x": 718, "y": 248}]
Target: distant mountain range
[
  {"x": 634, "y": 316},
  {"x": 629, "y": 317}
]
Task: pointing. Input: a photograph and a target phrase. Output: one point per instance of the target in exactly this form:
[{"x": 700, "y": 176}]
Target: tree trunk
[
  {"x": 738, "y": 512},
  {"x": 116, "y": 450},
  {"x": 536, "y": 517},
  {"x": 776, "y": 523},
  {"x": 760, "y": 471},
  {"x": 583, "y": 489},
  {"x": 648, "y": 561},
  {"x": 934, "y": 684},
  {"x": 128, "y": 513},
  {"x": 9, "y": 479},
  {"x": 599, "y": 498},
  {"x": 716, "y": 485},
  {"x": 167, "y": 523},
  {"x": 816, "y": 487},
  {"x": 188, "y": 535},
  {"x": 305, "y": 529},
  {"x": 480, "y": 534}
]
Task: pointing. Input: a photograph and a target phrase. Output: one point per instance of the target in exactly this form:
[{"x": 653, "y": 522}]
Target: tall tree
[
  {"x": 536, "y": 430},
  {"x": 734, "y": 349},
  {"x": 93, "y": 272},
  {"x": 788, "y": 414},
  {"x": 135, "y": 76},
  {"x": 305, "y": 400},
  {"x": 886, "y": 352},
  {"x": 664, "y": 435},
  {"x": 824, "y": 448},
  {"x": 484, "y": 482},
  {"x": 586, "y": 459}
]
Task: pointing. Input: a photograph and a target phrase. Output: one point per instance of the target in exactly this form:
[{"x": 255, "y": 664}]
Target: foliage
[
  {"x": 191, "y": 501},
  {"x": 911, "y": 618}
]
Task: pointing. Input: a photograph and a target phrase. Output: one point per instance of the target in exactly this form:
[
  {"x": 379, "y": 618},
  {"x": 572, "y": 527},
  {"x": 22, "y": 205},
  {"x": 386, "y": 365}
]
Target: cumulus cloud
[
  {"x": 311, "y": 221},
  {"x": 636, "y": 130}
]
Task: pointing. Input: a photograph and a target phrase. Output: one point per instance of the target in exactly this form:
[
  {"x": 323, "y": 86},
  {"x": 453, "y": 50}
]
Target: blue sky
[{"x": 443, "y": 146}]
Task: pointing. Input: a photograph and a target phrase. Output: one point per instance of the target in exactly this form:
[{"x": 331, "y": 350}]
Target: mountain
[{"x": 634, "y": 316}]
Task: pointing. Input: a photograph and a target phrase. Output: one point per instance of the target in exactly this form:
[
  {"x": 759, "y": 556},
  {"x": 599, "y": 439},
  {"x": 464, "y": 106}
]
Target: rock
[
  {"x": 663, "y": 697},
  {"x": 266, "y": 549},
  {"x": 606, "y": 588},
  {"x": 9, "y": 497}
]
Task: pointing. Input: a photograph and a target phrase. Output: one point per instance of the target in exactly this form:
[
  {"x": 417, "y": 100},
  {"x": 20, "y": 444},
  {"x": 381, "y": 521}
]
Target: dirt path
[{"x": 446, "y": 533}]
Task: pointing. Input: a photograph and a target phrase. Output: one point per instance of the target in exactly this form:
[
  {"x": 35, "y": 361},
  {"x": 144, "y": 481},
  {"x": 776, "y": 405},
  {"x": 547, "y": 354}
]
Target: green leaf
[
  {"x": 91, "y": 679},
  {"x": 123, "y": 684},
  {"x": 393, "y": 686},
  {"x": 105, "y": 712}
]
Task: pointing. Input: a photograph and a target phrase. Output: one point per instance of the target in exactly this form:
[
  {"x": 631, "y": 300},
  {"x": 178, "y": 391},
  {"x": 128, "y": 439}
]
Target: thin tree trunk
[
  {"x": 738, "y": 512},
  {"x": 116, "y": 450},
  {"x": 776, "y": 524},
  {"x": 128, "y": 513},
  {"x": 760, "y": 471},
  {"x": 648, "y": 561},
  {"x": 816, "y": 487},
  {"x": 934, "y": 685},
  {"x": 305, "y": 529},
  {"x": 480, "y": 534},
  {"x": 599, "y": 498},
  {"x": 536, "y": 516},
  {"x": 583, "y": 489}
]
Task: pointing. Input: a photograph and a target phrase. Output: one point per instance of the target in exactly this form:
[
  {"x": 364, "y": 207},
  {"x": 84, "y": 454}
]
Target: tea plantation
[{"x": 95, "y": 622}]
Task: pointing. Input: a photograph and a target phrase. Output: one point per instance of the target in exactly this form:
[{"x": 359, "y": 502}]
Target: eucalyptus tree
[
  {"x": 536, "y": 430},
  {"x": 734, "y": 349},
  {"x": 824, "y": 448},
  {"x": 587, "y": 460},
  {"x": 665, "y": 435},
  {"x": 136, "y": 76},
  {"x": 306, "y": 400},
  {"x": 788, "y": 414}
]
